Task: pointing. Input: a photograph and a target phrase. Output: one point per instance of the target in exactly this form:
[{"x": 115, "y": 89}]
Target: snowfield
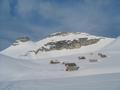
[
  {"x": 95, "y": 82},
  {"x": 39, "y": 74}
]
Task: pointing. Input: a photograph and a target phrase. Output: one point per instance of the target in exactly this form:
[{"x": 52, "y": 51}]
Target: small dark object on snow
[
  {"x": 81, "y": 57},
  {"x": 102, "y": 55},
  {"x": 71, "y": 67},
  {"x": 54, "y": 62}
]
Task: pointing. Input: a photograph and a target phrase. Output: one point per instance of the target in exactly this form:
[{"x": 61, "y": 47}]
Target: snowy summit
[{"x": 56, "y": 44}]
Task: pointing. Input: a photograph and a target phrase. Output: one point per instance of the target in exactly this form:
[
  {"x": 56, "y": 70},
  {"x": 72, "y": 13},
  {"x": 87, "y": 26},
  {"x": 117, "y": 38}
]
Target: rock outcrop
[{"x": 67, "y": 44}]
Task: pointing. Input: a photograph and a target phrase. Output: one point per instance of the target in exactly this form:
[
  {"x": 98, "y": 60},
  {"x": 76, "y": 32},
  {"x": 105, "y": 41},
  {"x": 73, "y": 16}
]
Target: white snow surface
[
  {"x": 114, "y": 46},
  {"x": 18, "y": 50},
  {"x": 39, "y": 74}
]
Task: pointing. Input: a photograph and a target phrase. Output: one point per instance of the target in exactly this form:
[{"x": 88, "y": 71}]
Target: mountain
[
  {"x": 56, "y": 44},
  {"x": 99, "y": 69}
]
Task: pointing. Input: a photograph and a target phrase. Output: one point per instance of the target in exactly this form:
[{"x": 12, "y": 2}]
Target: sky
[{"x": 39, "y": 18}]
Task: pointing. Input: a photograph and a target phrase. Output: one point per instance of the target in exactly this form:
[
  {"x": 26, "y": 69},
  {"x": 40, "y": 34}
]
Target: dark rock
[{"x": 67, "y": 44}]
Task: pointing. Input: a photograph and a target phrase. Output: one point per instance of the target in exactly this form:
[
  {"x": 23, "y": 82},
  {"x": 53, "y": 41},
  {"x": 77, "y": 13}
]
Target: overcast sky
[{"x": 38, "y": 18}]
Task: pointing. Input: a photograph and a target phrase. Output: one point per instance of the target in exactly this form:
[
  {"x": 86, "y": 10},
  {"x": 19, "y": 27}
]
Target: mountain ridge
[{"x": 59, "y": 43}]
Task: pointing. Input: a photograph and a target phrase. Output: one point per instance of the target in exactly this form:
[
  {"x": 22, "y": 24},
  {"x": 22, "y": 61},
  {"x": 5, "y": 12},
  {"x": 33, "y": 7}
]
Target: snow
[
  {"x": 17, "y": 69},
  {"x": 96, "y": 82},
  {"x": 70, "y": 36},
  {"x": 39, "y": 74},
  {"x": 114, "y": 46},
  {"x": 84, "y": 49},
  {"x": 42, "y": 68},
  {"x": 18, "y": 50},
  {"x": 23, "y": 49}
]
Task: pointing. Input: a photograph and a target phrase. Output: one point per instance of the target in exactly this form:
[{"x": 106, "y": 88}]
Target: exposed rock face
[
  {"x": 21, "y": 39},
  {"x": 89, "y": 42},
  {"x": 63, "y": 45},
  {"x": 67, "y": 44}
]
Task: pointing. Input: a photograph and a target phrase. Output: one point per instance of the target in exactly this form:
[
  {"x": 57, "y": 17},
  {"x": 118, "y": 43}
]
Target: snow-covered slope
[
  {"x": 114, "y": 46},
  {"x": 17, "y": 69},
  {"x": 18, "y": 50},
  {"x": 96, "y": 82},
  {"x": 11, "y": 68},
  {"x": 22, "y": 74},
  {"x": 58, "y": 44}
]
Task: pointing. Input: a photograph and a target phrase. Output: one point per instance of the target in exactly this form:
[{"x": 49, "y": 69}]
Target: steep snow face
[{"x": 42, "y": 49}]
